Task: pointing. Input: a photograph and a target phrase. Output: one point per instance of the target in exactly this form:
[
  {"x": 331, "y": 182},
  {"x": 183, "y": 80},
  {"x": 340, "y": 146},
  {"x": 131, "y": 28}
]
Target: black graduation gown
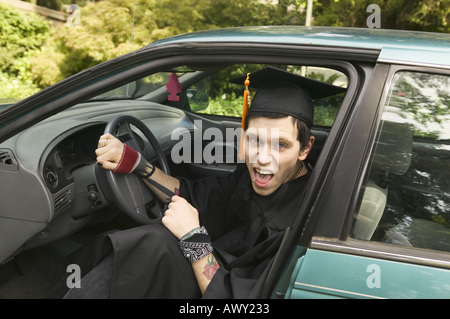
[{"x": 246, "y": 230}]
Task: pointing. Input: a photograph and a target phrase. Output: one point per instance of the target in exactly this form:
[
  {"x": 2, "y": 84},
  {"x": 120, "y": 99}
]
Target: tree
[
  {"x": 431, "y": 15},
  {"x": 104, "y": 33},
  {"x": 336, "y": 13},
  {"x": 420, "y": 15},
  {"x": 112, "y": 28},
  {"x": 21, "y": 34},
  {"x": 58, "y": 4}
]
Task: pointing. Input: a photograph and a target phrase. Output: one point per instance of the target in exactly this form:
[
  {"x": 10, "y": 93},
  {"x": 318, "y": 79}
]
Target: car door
[
  {"x": 117, "y": 73},
  {"x": 381, "y": 227}
]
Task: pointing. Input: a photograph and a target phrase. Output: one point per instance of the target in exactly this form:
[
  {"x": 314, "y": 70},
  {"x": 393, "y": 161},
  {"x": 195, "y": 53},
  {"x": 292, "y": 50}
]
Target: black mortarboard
[{"x": 279, "y": 91}]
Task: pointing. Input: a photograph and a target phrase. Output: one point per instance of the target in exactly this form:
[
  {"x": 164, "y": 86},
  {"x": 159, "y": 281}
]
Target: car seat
[{"x": 391, "y": 155}]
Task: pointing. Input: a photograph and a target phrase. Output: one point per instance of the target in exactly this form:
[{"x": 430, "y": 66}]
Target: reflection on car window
[{"x": 405, "y": 199}]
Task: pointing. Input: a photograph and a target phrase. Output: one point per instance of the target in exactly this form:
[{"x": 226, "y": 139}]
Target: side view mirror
[{"x": 198, "y": 100}]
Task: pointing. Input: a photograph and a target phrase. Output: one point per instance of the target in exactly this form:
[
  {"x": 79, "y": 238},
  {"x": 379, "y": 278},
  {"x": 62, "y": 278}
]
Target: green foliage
[
  {"x": 20, "y": 35},
  {"x": 226, "y": 13},
  {"x": 13, "y": 87},
  {"x": 104, "y": 33},
  {"x": 57, "y": 4},
  {"x": 107, "y": 30},
  {"x": 287, "y": 12},
  {"x": 111, "y": 28},
  {"x": 432, "y": 15},
  {"x": 231, "y": 106},
  {"x": 420, "y": 15}
]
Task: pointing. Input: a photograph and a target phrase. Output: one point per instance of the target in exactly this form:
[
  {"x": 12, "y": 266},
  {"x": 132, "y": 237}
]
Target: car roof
[{"x": 412, "y": 47}]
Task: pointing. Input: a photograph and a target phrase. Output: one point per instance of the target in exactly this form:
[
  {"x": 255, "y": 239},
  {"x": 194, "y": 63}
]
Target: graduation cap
[{"x": 282, "y": 92}]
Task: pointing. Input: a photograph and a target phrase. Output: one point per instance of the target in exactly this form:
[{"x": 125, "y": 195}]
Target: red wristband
[{"x": 127, "y": 161}]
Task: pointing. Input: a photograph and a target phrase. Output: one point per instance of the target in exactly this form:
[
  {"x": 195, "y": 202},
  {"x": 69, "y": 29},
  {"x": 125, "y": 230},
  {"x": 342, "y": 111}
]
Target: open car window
[
  {"x": 225, "y": 98},
  {"x": 208, "y": 90}
]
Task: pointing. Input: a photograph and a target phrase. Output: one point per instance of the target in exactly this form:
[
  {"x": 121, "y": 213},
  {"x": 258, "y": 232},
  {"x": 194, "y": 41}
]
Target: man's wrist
[
  {"x": 196, "y": 244},
  {"x": 128, "y": 160},
  {"x": 190, "y": 233},
  {"x": 143, "y": 168}
]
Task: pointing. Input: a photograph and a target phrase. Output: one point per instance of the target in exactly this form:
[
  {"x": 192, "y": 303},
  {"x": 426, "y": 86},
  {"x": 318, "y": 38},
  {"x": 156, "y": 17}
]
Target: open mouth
[{"x": 262, "y": 177}]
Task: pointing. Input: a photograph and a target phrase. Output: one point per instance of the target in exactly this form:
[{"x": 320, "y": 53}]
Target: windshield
[{"x": 142, "y": 86}]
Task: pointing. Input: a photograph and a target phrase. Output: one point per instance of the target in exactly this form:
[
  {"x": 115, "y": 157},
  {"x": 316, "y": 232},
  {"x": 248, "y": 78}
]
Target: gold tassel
[{"x": 244, "y": 115}]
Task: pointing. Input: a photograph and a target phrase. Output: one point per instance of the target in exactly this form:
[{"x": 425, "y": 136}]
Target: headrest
[{"x": 393, "y": 148}]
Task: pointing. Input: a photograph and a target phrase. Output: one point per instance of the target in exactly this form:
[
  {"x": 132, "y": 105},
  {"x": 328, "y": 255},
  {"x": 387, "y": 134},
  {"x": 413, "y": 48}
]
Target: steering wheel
[{"x": 128, "y": 191}]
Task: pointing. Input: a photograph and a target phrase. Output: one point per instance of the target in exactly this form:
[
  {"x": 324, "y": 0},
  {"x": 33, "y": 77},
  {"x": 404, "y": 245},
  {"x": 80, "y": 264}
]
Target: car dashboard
[
  {"x": 55, "y": 160},
  {"x": 75, "y": 150}
]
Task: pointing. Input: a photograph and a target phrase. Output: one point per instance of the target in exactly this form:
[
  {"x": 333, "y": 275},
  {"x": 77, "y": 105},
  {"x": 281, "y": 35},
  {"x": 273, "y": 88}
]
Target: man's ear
[{"x": 304, "y": 153}]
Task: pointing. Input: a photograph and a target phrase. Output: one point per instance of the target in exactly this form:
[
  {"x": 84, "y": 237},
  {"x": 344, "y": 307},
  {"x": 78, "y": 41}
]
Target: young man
[{"x": 219, "y": 236}]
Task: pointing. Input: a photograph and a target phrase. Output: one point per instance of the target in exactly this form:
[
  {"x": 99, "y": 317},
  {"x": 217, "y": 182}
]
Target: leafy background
[{"x": 35, "y": 54}]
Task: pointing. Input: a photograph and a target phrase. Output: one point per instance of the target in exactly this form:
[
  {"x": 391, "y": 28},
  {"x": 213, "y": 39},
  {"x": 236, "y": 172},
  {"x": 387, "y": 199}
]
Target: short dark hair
[{"x": 304, "y": 131}]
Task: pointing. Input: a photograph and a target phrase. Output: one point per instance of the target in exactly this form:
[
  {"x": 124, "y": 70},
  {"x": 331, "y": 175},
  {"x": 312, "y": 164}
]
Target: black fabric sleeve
[
  {"x": 211, "y": 196},
  {"x": 228, "y": 284}
]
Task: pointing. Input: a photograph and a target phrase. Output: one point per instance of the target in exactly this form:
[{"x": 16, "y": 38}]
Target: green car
[{"x": 375, "y": 219}]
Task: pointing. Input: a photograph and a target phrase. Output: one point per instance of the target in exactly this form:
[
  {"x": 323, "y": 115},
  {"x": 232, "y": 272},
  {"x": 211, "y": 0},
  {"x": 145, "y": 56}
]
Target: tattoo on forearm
[{"x": 211, "y": 267}]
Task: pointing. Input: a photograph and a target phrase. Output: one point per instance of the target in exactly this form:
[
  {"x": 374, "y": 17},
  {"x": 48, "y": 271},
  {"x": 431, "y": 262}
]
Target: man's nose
[{"x": 264, "y": 155}]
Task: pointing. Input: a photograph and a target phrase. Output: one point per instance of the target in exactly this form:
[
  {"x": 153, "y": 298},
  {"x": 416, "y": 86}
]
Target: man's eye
[
  {"x": 253, "y": 140},
  {"x": 280, "y": 146}
]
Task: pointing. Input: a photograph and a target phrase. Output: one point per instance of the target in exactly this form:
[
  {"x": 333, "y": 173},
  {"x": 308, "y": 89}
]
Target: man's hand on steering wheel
[
  {"x": 109, "y": 151},
  {"x": 118, "y": 154},
  {"x": 121, "y": 158}
]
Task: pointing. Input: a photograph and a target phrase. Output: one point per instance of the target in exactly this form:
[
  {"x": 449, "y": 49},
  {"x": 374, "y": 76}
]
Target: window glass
[{"x": 405, "y": 199}]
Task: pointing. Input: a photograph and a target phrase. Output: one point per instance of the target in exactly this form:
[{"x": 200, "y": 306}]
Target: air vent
[
  {"x": 62, "y": 201},
  {"x": 8, "y": 161}
]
